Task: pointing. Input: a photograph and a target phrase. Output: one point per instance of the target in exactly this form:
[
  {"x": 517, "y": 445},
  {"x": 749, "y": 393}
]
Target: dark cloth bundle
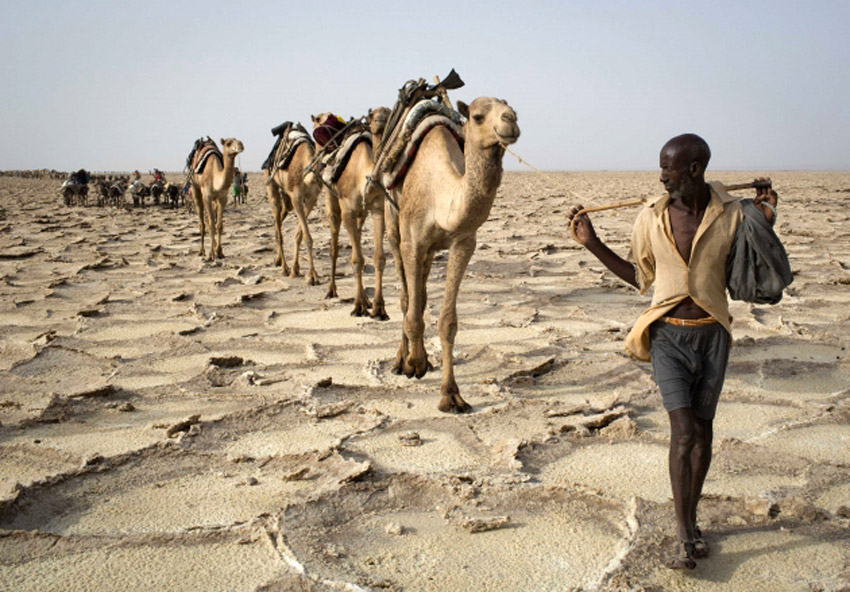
[
  {"x": 757, "y": 269},
  {"x": 326, "y": 131}
]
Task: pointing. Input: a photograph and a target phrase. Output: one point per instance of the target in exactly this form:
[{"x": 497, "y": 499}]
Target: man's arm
[{"x": 587, "y": 236}]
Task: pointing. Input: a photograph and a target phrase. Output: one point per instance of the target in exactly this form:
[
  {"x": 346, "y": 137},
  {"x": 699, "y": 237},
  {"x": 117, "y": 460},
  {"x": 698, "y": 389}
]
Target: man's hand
[
  {"x": 584, "y": 228},
  {"x": 766, "y": 200}
]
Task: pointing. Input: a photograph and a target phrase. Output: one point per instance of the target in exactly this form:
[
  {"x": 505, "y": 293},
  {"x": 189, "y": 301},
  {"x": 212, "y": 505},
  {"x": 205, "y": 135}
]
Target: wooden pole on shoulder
[{"x": 627, "y": 204}]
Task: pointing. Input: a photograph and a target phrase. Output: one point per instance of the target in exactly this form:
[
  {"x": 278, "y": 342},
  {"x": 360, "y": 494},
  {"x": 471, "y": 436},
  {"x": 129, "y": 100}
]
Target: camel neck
[
  {"x": 483, "y": 174},
  {"x": 481, "y": 179},
  {"x": 224, "y": 176}
]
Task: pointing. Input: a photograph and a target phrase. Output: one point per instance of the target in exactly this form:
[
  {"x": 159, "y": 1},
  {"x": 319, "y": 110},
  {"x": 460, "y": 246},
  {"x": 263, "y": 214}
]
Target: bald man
[{"x": 680, "y": 243}]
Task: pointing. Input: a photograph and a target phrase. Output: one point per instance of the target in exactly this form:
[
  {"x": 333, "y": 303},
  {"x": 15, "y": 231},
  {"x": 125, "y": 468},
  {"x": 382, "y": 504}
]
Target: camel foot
[
  {"x": 415, "y": 367},
  {"x": 453, "y": 403},
  {"x": 331, "y": 293},
  {"x": 361, "y": 308},
  {"x": 379, "y": 314},
  {"x": 398, "y": 367},
  {"x": 219, "y": 254},
  {"x": 312, "y": 279},
  {"x": 277, "y": 261},
  {"x": 201, "y": 253}
]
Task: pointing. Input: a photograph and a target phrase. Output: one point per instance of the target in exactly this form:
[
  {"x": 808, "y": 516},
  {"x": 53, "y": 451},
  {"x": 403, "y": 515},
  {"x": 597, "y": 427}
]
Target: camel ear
[
  {"x": 463, "y": 109},
  {"x": 222, "y": 141},
  {"x": 313, "y": 118}
]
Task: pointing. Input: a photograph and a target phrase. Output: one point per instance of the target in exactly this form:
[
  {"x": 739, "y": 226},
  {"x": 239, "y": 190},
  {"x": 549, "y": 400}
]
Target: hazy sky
[{"x": 120, "y": 85}]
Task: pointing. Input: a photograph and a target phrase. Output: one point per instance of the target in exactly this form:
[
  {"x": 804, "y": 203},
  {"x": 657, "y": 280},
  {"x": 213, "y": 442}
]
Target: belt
[{"x": 689, "y": 322}]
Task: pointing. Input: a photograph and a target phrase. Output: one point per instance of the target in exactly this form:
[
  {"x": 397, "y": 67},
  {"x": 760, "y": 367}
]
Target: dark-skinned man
[{"x": 680, "y": 243}]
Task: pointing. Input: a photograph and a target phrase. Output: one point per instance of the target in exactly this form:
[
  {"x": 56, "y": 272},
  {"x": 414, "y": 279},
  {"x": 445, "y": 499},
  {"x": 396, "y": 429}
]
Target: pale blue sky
[{"x": 112, "y": 85}]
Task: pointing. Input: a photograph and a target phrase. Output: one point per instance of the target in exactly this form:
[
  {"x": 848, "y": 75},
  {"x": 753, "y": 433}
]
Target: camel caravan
[
  {"x": 111, "y": 190},
  {"x": 424, "y": 172}
]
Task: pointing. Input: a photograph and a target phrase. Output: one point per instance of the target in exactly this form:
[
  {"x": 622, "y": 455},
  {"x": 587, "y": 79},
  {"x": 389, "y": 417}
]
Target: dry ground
[{"x": 170, "y": 424}]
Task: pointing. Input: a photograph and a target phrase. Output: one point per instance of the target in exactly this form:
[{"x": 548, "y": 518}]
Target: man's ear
[
  {"x": 695, "y": 169},
  {"x": 463, "y": 109}
]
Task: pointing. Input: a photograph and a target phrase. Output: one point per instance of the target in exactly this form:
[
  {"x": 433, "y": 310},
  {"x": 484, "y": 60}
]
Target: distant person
[
  {"x": 244, "y": 188},
  {"x": 680, "y": 242},
  {"x": 236, "y": 188}
]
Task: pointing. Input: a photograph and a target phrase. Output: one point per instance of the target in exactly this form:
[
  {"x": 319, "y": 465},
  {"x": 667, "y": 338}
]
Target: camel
[
  {"x": 350, "y": 205},
  {"x": 210, "y": 190},
  {"x": 445, "y": 197},
  {"x": 290, "y": 189}
]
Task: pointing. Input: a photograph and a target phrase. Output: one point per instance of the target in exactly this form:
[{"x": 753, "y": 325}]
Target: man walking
[{"x": 680, "y": 243}]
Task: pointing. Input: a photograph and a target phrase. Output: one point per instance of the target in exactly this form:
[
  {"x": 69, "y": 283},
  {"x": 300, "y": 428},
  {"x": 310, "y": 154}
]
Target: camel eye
[{"x": 478, "y": 118}]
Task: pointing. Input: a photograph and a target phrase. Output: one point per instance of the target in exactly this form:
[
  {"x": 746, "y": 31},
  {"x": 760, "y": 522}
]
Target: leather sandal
[
  {"x": 701, "y": 548},
  {"x": 685, "y": 558}
]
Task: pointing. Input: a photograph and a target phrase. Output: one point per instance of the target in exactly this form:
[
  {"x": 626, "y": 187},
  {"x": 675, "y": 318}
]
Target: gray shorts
[{"x": 689, "y": 365}]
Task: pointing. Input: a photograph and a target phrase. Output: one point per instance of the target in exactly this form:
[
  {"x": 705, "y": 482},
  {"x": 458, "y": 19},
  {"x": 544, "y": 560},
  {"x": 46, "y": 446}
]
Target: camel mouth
[{"x": 507, "y": 138}]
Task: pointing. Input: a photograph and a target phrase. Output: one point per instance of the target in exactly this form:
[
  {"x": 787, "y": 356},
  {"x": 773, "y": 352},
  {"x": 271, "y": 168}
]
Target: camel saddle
[
  {"x": 355, "y": 133},
  {"x": 398, "y": 154},
  {"x": 289, "y": 137},
  {"x": 200, "y": 154}
]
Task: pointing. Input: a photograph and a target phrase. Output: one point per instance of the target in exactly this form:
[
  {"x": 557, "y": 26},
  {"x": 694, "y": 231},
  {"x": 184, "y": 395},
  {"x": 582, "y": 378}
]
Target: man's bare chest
[{"x": 684, "y": 226}]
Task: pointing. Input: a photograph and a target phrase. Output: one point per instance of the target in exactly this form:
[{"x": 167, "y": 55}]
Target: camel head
[
  {"x": 489, "y": 121},
  {"x": 320, "y": 118},
  {"x": 231, "y": 146},
  {"x": 378, "y": 120}
]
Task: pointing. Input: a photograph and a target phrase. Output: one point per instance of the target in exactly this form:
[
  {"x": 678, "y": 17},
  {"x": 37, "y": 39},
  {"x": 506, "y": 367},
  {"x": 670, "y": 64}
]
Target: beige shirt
[{"x": 657, "y": 260}]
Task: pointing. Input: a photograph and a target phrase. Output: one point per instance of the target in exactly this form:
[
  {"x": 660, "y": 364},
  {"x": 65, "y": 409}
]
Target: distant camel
[
  {"x": 350, "y": 205},
  {"x": 289, "y": 189},
  {"x": 210, "y": 190}
]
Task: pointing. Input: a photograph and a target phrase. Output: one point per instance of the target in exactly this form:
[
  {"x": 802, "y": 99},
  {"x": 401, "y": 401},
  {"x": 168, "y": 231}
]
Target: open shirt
[{"x": 658, "y": 261}]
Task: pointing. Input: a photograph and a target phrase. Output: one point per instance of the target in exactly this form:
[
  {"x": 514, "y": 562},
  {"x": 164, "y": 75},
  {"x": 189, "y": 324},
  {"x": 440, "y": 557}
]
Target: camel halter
[{"x": 624, "y": 204}]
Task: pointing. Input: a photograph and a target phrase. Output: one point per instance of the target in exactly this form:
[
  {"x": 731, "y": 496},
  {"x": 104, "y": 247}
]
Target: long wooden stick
[{"x": 637, "y": 202}]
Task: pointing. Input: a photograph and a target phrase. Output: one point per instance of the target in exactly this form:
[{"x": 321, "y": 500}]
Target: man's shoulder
[{"x": 719, "y": 189}]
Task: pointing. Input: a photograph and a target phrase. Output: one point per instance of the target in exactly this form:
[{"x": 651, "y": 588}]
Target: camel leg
[
  {"x": 277, "y": 205},
  {"x": 379, "y": 310},
  {"x": 312, "y": 277},
  {"x": 295, "y": 269},
  {"x": 219, "y": 221},
  {"x": 459, "y": 256},
  {"x": 413, "y": 256},
  {"x": 361, "y": 302},
  {"x": 334, "y": 220},
  {"x": 393, "y": 242},
  {"x": 199, "y": 206},
  {"x": 284, "y": 265},
  {"x": 211, "y": 224}
]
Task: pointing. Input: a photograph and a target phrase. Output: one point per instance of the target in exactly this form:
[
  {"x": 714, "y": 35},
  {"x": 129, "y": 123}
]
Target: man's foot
[
  {"x": 701, "y": 548},
  {"x": 685, "y": 558}
]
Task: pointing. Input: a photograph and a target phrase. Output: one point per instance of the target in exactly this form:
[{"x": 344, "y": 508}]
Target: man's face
[{"x": 675, "y": 173}]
